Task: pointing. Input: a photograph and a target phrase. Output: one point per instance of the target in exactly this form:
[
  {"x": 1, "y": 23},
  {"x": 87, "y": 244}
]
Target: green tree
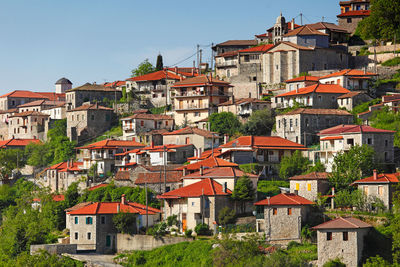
[
  {"x": 125, "y": 222},
  {"x": 8, "y": 161},
  {"x": 293, "y": 165},
  {"x": 159, "y": 64},
  {"x": 38, "y": 154},
  {"x": 384, "y": 21},
  {"x": 352, "y": 165},
  {"x": 387, "y": 120},
  {"x": 226, "y": 216},
  {"x": 260, "y": 123},
  {"x": 224, "y": 123},
  {"x": 243, "y": 191},
  {"x": 144, "y": 68},
  {"x": 72, "y": 195}
]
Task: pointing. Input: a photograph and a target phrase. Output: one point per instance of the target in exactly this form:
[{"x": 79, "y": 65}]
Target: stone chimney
[
  {"x": 118, "y": 208},
  {"x": 123, "y": 200},
  {"x": 201, "y": 170},
  {"x": 375, "y": 175},
  {"x": 292, "y": 25}
]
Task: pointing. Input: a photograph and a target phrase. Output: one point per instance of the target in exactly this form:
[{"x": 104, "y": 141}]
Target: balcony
[
  {"x": 245, "y": 112},
  {"x": 227, "y": 63},
  {"x": 191, "y": 94},
  {"x": 192, "y": 107},
  {"x": 159, "y": 87},
  {"x": 268, "y": 159}
]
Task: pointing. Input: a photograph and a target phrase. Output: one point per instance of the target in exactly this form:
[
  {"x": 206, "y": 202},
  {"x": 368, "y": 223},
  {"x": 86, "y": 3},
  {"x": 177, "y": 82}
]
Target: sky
[{"x": 103, "y": 40}]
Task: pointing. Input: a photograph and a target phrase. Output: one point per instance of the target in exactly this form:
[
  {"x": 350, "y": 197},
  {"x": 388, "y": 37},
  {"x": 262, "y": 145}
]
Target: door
[{"x": 184, "y": 225}]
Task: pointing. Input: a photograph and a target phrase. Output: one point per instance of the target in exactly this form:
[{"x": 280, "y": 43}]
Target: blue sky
[{"x": 99, "y": 40}]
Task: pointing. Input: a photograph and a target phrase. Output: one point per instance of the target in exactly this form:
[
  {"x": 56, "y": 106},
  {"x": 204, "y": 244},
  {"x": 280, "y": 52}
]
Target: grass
[
  {"x": 392, "y": 62},
  {"x": 115, "y": 131}
]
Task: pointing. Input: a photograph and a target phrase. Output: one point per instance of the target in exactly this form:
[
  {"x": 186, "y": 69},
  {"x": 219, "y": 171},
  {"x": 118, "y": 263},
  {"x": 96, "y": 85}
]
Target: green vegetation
[
  {"x": 160, "y": 110},
  {"x": 115, "y": 131},
  {"x": 144, "y": 68},
  {"x": 124, "y": 222},
  {"x": 250, "y": 168},
  {"x": 226, "y": 216},
  {"x": 202, "y": 229},
  {"x": 243, "y": 191},
  {"x": 334, "y": 263},
  {"x": 388, "y": 120},
  {"x": 293, "y": 165},
  {"x": 260, "y": 123},
  {"x": 271, "y": 188},
  {"x": 224, "y": 123},
  {"x": 9, "y": 160},
  {"x": 365, "y": 106},
  {"x": 295, "y": 106},
  {"x": 392, "y": 62}
]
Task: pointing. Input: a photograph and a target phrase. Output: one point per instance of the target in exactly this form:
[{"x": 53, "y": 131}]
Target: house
[
  {"x": 60, "y": 176},
  {"x": 303, "y": 124},
  {"x": 281, "y": 217},
  {"x": 233, "y": 45},
  {"x": 39, "y": 105},
  {"x": 243, "y": 107},
  {"x": 211, "y": 162},
  {"x": 351, "y": 79},
  {"x": 137, "y": 125},
  {"x": 343, "y": 239},
  {"x": 201, "y": 139},
  {"x": 341, "y": 138},
  {"x": 286, "y": 60},
  {"x": 196, "y": 98},
  {"x": 154, "y": 137},
  {"x": 352, "y": 12},
  {"x": 88, "y": 92},
  {"x": 4, "y": 121},
  {"x": 18, "y": 97},
  {"x": 17, "y": 143},
  {"x": 119, "y": 85},
  {"x": 309, "y": 185},
  {"x": 196, "y": 203},
  {"x": 57, "y": 112},
  {"x": 308, "y": 37},
  {"x": 28, "y": 125},
  {"x": 300, "y": 82},
  {"x": 315, "y": 96},
  {"x": 88, "y": 121},
  {"x": 337, "y": 34},
  {"x": 352, "y": 99},
  {"x": 92, "y": 227},
  {"x": 169, "y": 154},
  {"x": 381, "y": 186},
  {"x": 160, "y": 182},
  {"x": 264, "y": 150},
  {"x": 102, "y": 154},
  {"x": 226, "y": 65}
]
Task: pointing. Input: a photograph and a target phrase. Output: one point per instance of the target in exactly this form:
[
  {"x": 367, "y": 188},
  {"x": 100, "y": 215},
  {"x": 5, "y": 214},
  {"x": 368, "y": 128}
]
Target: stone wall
[
  {"x": 54, "y": 248},
  {"x": 384, "y": 48},
  {"x": 127, "y": 242}
]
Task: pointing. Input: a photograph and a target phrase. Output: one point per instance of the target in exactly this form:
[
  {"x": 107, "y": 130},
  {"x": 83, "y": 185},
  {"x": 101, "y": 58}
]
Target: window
[
  {"x": 380, "y": 190},
  {"x": 349, "y": 20},
  {"x": 386, "y": 143},
  {"x": 193, "y": 204},
  {"x": 274, "y": 211},
  {"x": 320, "y": 98},
  {"x": 345, "y": 236},
  {"x": 141, "y": 123},
  {"x": 108, "y": 241},
  {"x": 350, "y": 141},
  {"x": 76, "y": 217},
  {"x": 289, "y": 211},
  {"x": 308, "y": 187},
  {"x": 166, "y": 123},
  {"x": 297, "y": 186},
  {"x": 369, "y": 141},
  {"x": 365, "y": 189},
  {"x": 92, "y": 117},
  {"x": 76, "y": 235},
  {"x": 329, "y": 236},
  {"x": 103, "y": 219},
  {"x": 89, "y": 220},
  {"x": 89, "y": 236}
]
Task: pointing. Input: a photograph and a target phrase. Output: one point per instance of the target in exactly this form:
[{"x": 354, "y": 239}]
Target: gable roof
[
  {"x": 238, "y": 43},
  {"x": 108, "y": 143},
  {"x": 23, "y": 94},
  {"x": 155, "y": 76},
  {"x": 113, "y": 208},
  {"x": 202, "y": 80},
  {"x": 228, "y": 54},
  {"x": 28, "y": 113},
  {"x": 210, "y": 162},
  {"x": 343, "y": 223},
  {"x": 303, "y": 79},
  {"x": 311, "y": 176},
  {"x": 305, "y": 30},
  {"x": 219, "y": 172},
  {"x": 327, "y": 25},
  {"x": 284, "y": 199},
  {"x": 41, "y": 102},
  {"x": 349, "y": 72},
  {"x": 318, "y": 111},
  {"x": 382, "y": 178},
  {"x": 296, "y": 46},
  {"x": 146, "y": 116},
  {"x": 263, "y": 142},
  {"x": 158, "y": 177},
  {"x": 350, "y": 95},
  {"x": 193, "y": 130},
  {"x": 257, "y": 49},
  {"x": 205, "y": 187},
  {"x": 355, "y": 13},
  {"x": 17, "y": 142},
  {"x": 241, "y": 101},
  {"x": 343, "y": 129},
  {"x": 317, "y": 88},
  {"x": 167, "y": 147},
  {"x": 93, "y": 87}
]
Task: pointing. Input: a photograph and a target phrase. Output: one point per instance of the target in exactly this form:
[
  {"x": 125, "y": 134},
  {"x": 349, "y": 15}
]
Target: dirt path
[{"x": 95, "y": 260}]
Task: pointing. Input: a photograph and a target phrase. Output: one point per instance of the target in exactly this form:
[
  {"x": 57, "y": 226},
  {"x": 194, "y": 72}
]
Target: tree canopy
[
  {"x": 159, "y": 64},
  {"x": 384, "y": 21},
  {"x": 224, "y": 123},
  {"x": 143, "y": 68},
  {"x": 293, "y": 165},
  {"x": 260, "y": 123},
  {"x": 388, "y": 120}
]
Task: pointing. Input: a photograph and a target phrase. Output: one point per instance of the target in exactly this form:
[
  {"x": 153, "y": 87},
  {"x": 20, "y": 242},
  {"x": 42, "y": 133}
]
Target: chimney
[
  {"x": 201, "y": 170},
  {"x": 375, "y": 175},
  {"x": 226, "y": 138},
  {"x": 118, "y": 209},
  {"x": 123, "y": 200},
  {"x": 225, "y": 187},
  {"x": 184, "y": 171},
  {"x": 176, "y": 69},
  {"x": 152, "y": 144},
  {"x": 292, "y": 26},
  {"x": 333, "y": 191}
]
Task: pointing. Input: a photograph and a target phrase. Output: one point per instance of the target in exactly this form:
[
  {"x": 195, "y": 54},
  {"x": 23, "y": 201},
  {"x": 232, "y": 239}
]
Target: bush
[
  {"x": 202, "y": 229},
  {"x": 334, "y": 263},
  {"x": 392, "y": 62},
  {"x": 226, "y": 216},
  {"x": 159, "y": 229},
  {"x": 188, "y": 233},
  {"x": 125, "y": 222},
  {"x": 172, "y": 220},
  {"x": 271, "y": 188}
]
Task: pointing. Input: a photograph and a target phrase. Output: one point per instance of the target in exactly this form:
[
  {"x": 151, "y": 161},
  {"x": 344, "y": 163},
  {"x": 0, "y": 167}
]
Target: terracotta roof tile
[
  {"x": 257, "y": 49},
  {"x": 23, "y": 94},
  {"x": 348, "y": 72},
  {"x": 145, "y": 116},
  {"x": 202, "y": 80},
  {"x": 343, "y": 129},
  {"x": 326, "y": 25},
  {"x": 156, "y": 76},
  {"x": 18, "y": 142},
  {"x": 239, "y": 101},
  {"x": 381, "y": 178},
  {"x": 343, "y": 223},
  {"x": 122, "y": 176},
  {"x": 315, "y": 111},
  {"x": 210, "y": 162},
  {"x": 112, "y": 144},
  {"x": 331, "y": 138},
  {"x": 90, "y": 107},
  {"x": 350, "y": 95},
  {"x": 97, "y": 186},
  {"x": 93, "y": 87},
  {"x": 317, "y": 88},
  {"x": 305, "y": 30},
  {"x": 238, "y": 43},
  {"x": 355, "y": 13},
  {"x": 303, "y": 78},
  {"x": 220, "y": 172},
  {"x": 193, "y": 130},
  {"x": 157, "y": 177},
  {"x": 285, "y": 199},
  {"x": 29, "y": 113},
  {"x": 112, "y": 208},
  {"x": 311, "y": 176},
  {"x": 263, "y": 142}
]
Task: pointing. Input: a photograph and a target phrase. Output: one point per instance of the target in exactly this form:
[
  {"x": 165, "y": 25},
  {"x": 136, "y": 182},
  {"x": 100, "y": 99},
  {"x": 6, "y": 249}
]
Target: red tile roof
[
  {"x": 90, "y": 107},
  {"x": 238, "y": 43},
  {"x": 17, "y": 142},
  {"x": 381, "y": 178},
  {"x": 24, "y": 94},
  {"x": 113, "y": 208},
  {"x": 93, "y": 87},
  {"x": 58, "y": 198},
  {"x": 112, "y": 144},
  {"x": 220, "y": 172},
  {"x": 305, "y": 30},
  {"x": 317, "y": 111},
  {"x": 343, "y": 129},
  {"x": 355, "y": 13},
  {"x": 210, "y": 162},
  {"x": 167, "y": 147},
  {"x": 202, "y": 80},
  {"x": 331, "y": 138},
  {"x": 156, "y": 76},
  {"x": 349, "y": 72},
  {"x": 73, "y": 167},
  {"x": 78, "y": 206},
  {"x": 193, "y": 130},
  {"x": 263, "y": 142},
  {"x": 29, "y": 113},
  {"x": 311, "y": 176},
  {"x": 115, "y": 84},
  {"x": 284, "y": 199},
  {"x": 303, "y": 79},
  {"x": 343, "y": 223},
  {"x": 296, "y": 46},
  {"x": 317, "y": 88},
  {"x": 97, "y": 186},
  {"x": 228, "y": 54},
  {"x": 42, "y": 102},
  {"x": 257, "y": 49},
  {"x": 326, "y": 25},
  {"x": 157, "y": 177},
  {"x": 240, "y": 101},
  {"x": 145, "y": 116},
  {"x": 122, "y": 176},
  {"x": 52, "y": 96},
  {"x": 350, "y": 95},
  {"x": 206, "y": 187}
]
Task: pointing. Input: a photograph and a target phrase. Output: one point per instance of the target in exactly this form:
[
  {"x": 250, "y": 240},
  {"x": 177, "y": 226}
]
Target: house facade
[
  {"x": 61, "y": 175},
  {"x": 310, "y": 185},
  {"x": 28, "y": 125},
  {"x": 243, "y": 107},
  {"x": 352, "y": 99},
  {"x": 351, "y": 79},
  {"x": 352, "y": 12}
]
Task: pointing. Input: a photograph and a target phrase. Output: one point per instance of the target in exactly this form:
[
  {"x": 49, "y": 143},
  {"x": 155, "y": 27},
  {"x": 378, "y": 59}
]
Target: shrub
[
  {"x": 158, "y": 229},
  {"x": 188, "y": 233},
  {"x": 202, "y": 229},
  {"x": 172, "y": 220},
  {"x": 226, "y": 216},
  {"x": 334, "y": 263},
  {"x": 392, "y": 62},
  {"x": 125, "y": 222}
]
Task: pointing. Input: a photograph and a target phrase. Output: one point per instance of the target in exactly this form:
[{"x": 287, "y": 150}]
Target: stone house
[
  {"x": 281, "y": 217},
  {"x": 264, "y": 150},
  {"x": 92, "y": 228},
  {"x": 201, "y": 139},
  {"x": 88, "y": 121},
  {"x": 337, "y": 34},
  {"x": 233, "y": 45},
  {"x": 77, "y": 96},
  {"x": 158, "y": 182},
  {"x": 210, "y": 162},
  {"x": 315, "y": 96},
  {"x": 197, "y": 98},
  {"x": 274, "y": 34},
  {"x": 56, "y": 112},
  {"x": 352, "y": 99},
  {"x": 381, "y": 186},
  {"x": 138, "y": 125},
  {"x": 169, "y": 154},
  {"x": 243, "y": 107},
  {"x": 341, "y": 138},
  {"x": 60, "y": 176},
  {"x": 196, "y": 203},
  {"x": 18, "y": 97},
  {"x": 352, "y": 12},
  {"x": 4, "y": 121},
  {"x": 351, "y": 79},
  {"x": 226, "y": 65},
  {"x": 342, "y": 238},
  {"x": 28, "y": 125},
  {"x": 103, "y": 154},
  {"x": 39, "y": 105},
  {"x": 307, "y": 37},
  {"x": 300, "y": 82},
  {"x": 302, "y": 125},
  {"x": 309, "y": 185}
]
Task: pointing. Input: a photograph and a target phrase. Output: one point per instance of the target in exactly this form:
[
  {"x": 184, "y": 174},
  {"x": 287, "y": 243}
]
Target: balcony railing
[
  {"x": 227, "y": 63},
  {"x": 268, "y": 159},
  {"x": 186, "y": 107}
]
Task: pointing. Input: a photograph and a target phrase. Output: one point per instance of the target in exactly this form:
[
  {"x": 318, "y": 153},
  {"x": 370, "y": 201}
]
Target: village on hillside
[{"x": 289, "y": 139}]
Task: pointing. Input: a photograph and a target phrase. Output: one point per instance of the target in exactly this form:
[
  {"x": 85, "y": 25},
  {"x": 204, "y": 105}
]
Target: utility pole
[
  {"x": 375, "y": 56},
  {"x": 201, "y": 52},
  {"x": 166, "y": 90},
  {"x": 198, "y": 56},
  {"x": 212, "y": 56},
  {"x": 147, "y": 207},
  {"x": 323, "y": 18}
]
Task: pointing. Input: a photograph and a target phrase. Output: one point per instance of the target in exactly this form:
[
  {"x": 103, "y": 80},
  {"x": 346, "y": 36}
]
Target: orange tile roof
[
  {"x": 210, "y": 162},
  {"x": 343, "y": 129},
  {"x": 263, "y": 142},
  {"x": 317, "y": 88},
  {"x": 112, "y": 144},
  {"x": 349, "y": 72},
  {"x": 52, "y": 96},
  {"x": 115, "y": 84},
  {"x": 23, "y": 94},
  {"x": 238, "y": 43},
  {"x": 296, "y": 46},
  {"x": 58, "y": 198},
  {"x": 327, "y": 25},
  {"x": 384, "y": 178},
  {"x": 331, "y": 138},
  {"x": 155, "y": 76},
  {"x": 202, "y": 80},
  {"x": 311, "y": 176},
  {"x": 17, "y": 142},
  {"x": 228, "y": 54},
  {"x": 303, "y": 79},
  {"x": 256, "y": 49},
  {"x": 317, "y": 111},
  {"x": 193, "y": 130},
  {"x": 29, "y": 113},
  {"x": 72, "y": 167},
  {"x": 97, "y": 186},
  {"x": 355, "y": 13},
  {"x": 167, "y": 147},
  {"x": 240, "y": 101},
  {"x": 350, "y": 95},
  {"x": 157, "y": 177},
  {"x": 219, "y": 172},
  {"x": 285, "y": 199},
  {"x": 113, "y": 208},
  {"x": 305, "y": 30},
  {"x": 343, "y": 223},
  {"x": 205, "y": 187}
]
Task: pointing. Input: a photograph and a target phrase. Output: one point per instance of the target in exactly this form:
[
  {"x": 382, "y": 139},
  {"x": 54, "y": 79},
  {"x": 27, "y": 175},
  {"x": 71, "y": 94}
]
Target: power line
[{"x": 183, "y": 60}]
